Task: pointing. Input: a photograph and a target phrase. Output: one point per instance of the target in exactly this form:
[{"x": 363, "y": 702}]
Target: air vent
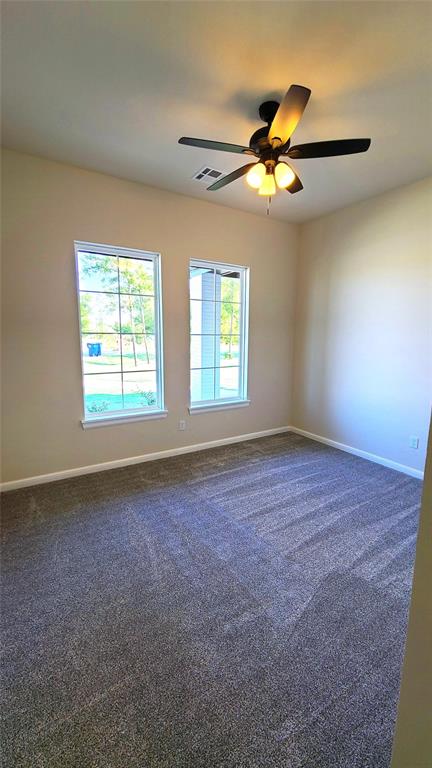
[{"x": 207, "y": 174}]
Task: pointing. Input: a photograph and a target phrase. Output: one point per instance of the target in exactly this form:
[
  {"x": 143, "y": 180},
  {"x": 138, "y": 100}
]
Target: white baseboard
[
  {"x": 13, "y": 485},
  {"x": 25, "y": 482},
  {"x": 363, "y": 454}
]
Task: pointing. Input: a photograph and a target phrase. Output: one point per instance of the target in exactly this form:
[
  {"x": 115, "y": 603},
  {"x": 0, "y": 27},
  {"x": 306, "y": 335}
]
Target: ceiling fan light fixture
[
  {"x": 268, "y": 186},
  {"x": 284, "y": 175},
  {"x": 265, "y": 173},
  {"x": 256, "y": 175}
]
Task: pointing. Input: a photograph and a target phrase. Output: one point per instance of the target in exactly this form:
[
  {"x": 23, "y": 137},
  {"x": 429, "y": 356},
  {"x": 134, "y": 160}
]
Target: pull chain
[{"x": 268, "y": 204}]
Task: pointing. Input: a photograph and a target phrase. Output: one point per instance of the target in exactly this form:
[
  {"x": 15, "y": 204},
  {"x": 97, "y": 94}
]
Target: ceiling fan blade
[
  {"x": 220, "y": 145},
  {"x": 296, "y": 186},
  {"x": 329, "y": 148},
  {"x": 230, "y": 177},
  {"x": 288, "y": 115}
]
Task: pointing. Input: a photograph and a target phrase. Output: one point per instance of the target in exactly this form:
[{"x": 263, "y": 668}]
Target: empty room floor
[{"x": 238, "y": 607}]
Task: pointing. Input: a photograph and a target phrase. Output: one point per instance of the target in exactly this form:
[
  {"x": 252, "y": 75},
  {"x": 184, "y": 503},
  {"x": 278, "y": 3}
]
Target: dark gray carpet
[{"x": 241, "y": 607}]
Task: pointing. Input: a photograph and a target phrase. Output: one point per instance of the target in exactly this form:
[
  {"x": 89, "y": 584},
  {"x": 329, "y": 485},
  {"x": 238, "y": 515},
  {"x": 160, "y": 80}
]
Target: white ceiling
[{"x": 112, "y": 86}]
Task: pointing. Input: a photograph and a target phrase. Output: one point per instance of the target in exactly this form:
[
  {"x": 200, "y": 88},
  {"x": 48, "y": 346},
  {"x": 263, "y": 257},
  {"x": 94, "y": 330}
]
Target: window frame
[
  {"x": 242, "y": 400},
  {"x": 126, "y": 415}
]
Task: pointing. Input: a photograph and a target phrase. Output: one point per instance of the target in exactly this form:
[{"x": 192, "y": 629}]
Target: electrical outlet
[
  {"x": 182, "y": 425},
  {"x": 414, "y": 441}
]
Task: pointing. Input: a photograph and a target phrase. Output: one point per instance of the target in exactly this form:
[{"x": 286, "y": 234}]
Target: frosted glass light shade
[
  {"x": 268, "y": 186},
  {"x": 284, "y": 175},
  {"x": 255, "y": 176}
]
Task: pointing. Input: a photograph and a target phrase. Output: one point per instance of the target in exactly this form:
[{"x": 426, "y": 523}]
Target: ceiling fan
[{"x": 271, "y": 145}]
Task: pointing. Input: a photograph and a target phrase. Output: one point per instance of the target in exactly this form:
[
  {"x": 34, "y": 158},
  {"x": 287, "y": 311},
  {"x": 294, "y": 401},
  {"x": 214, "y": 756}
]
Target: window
[
  {"x": 218, "y": 335},
  {"x": 121, "y": 333}
]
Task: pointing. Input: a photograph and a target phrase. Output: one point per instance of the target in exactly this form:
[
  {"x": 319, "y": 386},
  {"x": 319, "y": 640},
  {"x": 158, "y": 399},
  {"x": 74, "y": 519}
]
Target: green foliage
[
  {"x": 136, "y": 276},
  {"x": 230, "y": 289},
  {"x": 230, "y": 318},
  {"x": 137, "y": 315},
  {"x": 134, "y": 279},
  {"x": 98, "y": 407},
  {"x": 100, "y": 271},
  {"x": 85, "y": 312},
  {"x": 230, "y": 309},
  {"x": 149, "y": 397}
]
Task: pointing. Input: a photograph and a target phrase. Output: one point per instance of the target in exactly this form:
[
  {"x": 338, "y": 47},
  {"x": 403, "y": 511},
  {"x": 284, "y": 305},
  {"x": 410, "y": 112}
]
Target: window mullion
[{"x": 120, "y": 329}]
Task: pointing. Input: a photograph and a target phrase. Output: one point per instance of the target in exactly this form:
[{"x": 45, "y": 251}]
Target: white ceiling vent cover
[{"x": 207, "y": 174}]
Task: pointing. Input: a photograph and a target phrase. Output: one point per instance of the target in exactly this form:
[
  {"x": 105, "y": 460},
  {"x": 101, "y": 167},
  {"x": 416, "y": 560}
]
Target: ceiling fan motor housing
[
  {"x": 263, "y": 149},
  {"x": 259, "y": 141}
]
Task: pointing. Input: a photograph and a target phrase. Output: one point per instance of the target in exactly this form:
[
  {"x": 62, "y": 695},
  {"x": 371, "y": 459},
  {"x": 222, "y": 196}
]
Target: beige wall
[
  {"x": 363, "y": 353},
  {"x": 413, "y": 739},
  {"x": 48, "y": 205}
]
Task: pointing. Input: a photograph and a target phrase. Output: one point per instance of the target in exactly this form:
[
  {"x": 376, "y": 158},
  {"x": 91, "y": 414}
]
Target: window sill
[
  {"x": 194, "y": 409},
  {"x": 123, "y": 418}
]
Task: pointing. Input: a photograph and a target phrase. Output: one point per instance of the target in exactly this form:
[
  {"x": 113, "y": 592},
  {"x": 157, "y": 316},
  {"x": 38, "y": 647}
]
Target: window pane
[
  {"x": 202, "y": 385},
  {"x": 121, "y": 346},
  {"x": 139, "y": 390},
  {"x": 99, "y": 313},
  {"x": 137, "y": 314},
  {"x": 227, "y": 382},
  {"x": 138, "y": 352},
  {"x": 97, "y": 273},
  {"x": 227, "y": 285},
  {"x": 202, "y": 316},
  {"x": 101, "y": 353},
  {"x": 202, "y": 351},
  {"x": 228, "y": 351},
  {"x": 103, "y": 393},
  {"x": 136, "y": 276},
  {"x": 218, "y": 340},
  {"x": 201, "y": 283},
  {"x": 229, "y": 318}
]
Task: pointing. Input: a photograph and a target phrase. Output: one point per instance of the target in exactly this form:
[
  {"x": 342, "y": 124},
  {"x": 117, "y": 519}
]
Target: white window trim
[
  {"x": 218, "y": 405},
  {"x": 122, "y": 418},
  {"x": 126, "y": 415}
]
